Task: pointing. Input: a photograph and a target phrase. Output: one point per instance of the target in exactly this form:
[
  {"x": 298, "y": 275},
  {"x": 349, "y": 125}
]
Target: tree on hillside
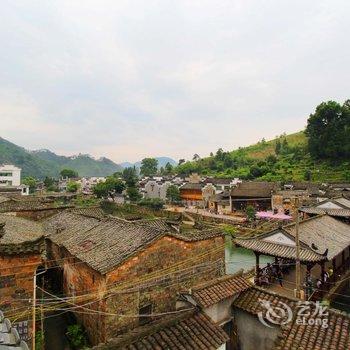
[
  {"x": 70, "y": 173},
  {"x": 196, "y": 157},
  {"x": 149, "y": 166},
  {"x": 278, "y": 146},
  {"x": 328, "y": 129},
  {"x": 173, "y": 194}
]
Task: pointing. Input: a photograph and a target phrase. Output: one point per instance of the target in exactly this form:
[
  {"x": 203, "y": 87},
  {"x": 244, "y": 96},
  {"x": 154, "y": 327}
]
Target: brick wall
[
  {"x": 162, "y": 296},
  {"x": 80, "y": 279},
  {"x": 16, "y": 279}
]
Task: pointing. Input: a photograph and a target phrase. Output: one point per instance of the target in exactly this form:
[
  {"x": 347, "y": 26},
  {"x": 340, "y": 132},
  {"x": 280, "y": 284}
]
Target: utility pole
[
  {"x": 297, "y": 258},
  {"x": 34, "y": 307}
]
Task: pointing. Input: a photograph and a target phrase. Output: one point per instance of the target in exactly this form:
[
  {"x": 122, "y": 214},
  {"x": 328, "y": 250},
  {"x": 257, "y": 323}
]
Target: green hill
[
  {"x": 282, "y": 159},
  {"x": 46, "y": 163}
]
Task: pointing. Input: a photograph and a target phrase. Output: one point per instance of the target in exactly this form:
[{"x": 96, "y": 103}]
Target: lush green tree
[
  {"x": 31, "y": 182},
  {"x": 70, "y": 173},
  {"x": 109, "y": 187},
  {"x": 173, "y": 194},
  {"x": 168, "y": 168},
  {"x": 328, "y": 129},
  {"x": 149, "y": 166},
  {"x": 72, "y": 186},
  {"x": 130, "y": 176},
  {"x": 250, "y": 212},
  {"x": 133, "y": 194},
  {"x": 50, "y": 184}
]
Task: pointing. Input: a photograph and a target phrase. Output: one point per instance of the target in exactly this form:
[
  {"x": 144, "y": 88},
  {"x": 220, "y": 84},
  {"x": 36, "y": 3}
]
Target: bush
[
  {"x": 152, "y": 203},
  {"x": 76, "y": 336}
]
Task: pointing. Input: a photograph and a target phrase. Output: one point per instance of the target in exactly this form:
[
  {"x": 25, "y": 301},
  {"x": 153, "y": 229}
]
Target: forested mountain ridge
[{"x": 46, "y": 163}]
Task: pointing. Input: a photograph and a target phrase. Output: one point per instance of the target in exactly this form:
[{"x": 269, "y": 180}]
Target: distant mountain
[
  {"x": 43, "y": 163},
  {"x": 162, "y": 161}
]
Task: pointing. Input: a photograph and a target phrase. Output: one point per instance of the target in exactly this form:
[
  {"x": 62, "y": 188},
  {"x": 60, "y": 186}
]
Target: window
[
  {"x": 5, "y": 174},
  {"x": 145, "y": 310}
]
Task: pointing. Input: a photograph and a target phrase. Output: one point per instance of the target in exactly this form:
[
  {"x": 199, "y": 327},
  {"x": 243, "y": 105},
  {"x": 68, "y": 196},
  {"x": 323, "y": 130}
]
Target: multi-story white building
[
  {"x": 10, "y": 175},
  {"x": 10, "y": 178}
]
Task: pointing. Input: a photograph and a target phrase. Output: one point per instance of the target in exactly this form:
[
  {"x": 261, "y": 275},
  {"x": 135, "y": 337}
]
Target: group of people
[
  {"x": 274, "y": 272},
  {"x": 321, "y": 284}
]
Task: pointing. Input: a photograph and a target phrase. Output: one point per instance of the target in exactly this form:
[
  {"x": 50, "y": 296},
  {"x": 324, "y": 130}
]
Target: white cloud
[{"x": 127, "y": 79}]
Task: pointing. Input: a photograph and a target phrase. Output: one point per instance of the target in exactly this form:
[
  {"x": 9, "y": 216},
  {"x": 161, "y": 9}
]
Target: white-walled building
[
  {"x": 10, "y": 175},
  {"x": 10, "y": 180}
]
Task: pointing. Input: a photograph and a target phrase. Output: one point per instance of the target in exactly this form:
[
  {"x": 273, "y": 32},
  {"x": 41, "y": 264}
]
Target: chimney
[{"x": 2, "y": 229}]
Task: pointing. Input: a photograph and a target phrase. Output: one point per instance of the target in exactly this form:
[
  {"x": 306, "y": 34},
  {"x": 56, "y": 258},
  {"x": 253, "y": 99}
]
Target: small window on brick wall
[
  {"x": 7, "y": 281},
  {"x": 144, "y": 311}
]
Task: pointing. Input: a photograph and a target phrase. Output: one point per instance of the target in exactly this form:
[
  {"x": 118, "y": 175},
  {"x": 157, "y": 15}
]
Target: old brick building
[
  {"x": 119, "y": 261},
  {"x": 21, "y": 252}
]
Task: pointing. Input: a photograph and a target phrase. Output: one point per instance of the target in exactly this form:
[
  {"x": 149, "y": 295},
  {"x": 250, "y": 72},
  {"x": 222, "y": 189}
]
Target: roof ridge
[{"x": 217, "y": 280}]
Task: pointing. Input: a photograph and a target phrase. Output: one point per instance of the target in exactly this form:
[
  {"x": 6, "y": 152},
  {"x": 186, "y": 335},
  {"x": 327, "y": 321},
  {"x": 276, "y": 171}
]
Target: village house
[
  {"x": 336, "y": 207},
  {"x": 156, "y": 189},
  {"x": 252, "y": 193},
  {"x": 222, "y": 184},
  {"x": 289, "y": 201},
  {"x": 9, "y": 336},
  {"x": 324, "y": 246},
  {"x": 112, "y": 257},
  {"x": 250, "y": 308},
  {"x": 184, "y": 330},
  {"x": 220, "y": 203},
  {"x": 10, "y": 180},
  {"x": 22, "y": 251},
  {"x": 214, "y": 298}
]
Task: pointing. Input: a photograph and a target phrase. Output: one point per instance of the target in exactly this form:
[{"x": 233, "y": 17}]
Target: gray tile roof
[
  {"x": 104, "y": 243},
  {"x": 18, "y": 230},
  {"x": 9, "y": 337},
  {"x": 318, "y": 235},
  {"x": 254, "y": 189}
]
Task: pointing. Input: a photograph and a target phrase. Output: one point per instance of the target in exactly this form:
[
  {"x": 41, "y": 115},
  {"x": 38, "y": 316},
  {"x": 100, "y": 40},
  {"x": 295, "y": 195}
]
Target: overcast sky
[{"x": 129, "y": 79}]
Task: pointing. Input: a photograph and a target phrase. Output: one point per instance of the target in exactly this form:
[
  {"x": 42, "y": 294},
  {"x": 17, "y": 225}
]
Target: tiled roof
[
  {"x": 192, "y": 186},
  {"x": 9, "y": 337},
  {"x": 197, "y": 234},
  {"x": 321, "y": 237},
  {"x": 102, "y": 244},
  {"x": 330, "y": 212},
  {"x": 304, "y": 337},
  {"x": 252, "y": 299},
  {"x": 324, "y": 232},
  {"x": 254, "y": 189},
  {"x": 30, "y": 204},
  {"x": 188, "y": 330},
  {"x": 280, "y": 250},
  {"x": 92, "y": 212},
  {"x": 219, "y": 289},
  {"x": 19, "y": 230}
]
